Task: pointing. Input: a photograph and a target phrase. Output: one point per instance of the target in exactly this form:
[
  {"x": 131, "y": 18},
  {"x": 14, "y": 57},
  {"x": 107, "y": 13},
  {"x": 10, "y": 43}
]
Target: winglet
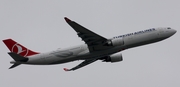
[
  {"x": 67, "y": 19},
  {"x": 65, "y": 69}
]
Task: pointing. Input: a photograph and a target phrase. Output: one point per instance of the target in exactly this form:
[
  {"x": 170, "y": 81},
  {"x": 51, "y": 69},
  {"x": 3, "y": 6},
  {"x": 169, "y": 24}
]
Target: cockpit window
[{"x": 168, "y": 28}]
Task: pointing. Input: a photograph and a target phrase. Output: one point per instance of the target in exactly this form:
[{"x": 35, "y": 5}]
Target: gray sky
[{"x": 39, "y": 25}]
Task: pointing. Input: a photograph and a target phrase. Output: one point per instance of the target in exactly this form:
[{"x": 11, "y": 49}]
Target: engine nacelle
[
  {"x": 113, "y": 58},
  {"x": 115, "y": 42}
]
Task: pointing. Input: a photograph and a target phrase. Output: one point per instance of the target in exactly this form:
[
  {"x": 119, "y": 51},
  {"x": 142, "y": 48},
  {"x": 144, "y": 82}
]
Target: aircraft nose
[
  {"x": 167, "y": 33},
  {"x": 173, "y": 31}
]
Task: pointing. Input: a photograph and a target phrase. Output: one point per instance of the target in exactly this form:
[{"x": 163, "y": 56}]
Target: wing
[
  {"x": 84, "y": 63},
  {"x": 94, "y": 41}
]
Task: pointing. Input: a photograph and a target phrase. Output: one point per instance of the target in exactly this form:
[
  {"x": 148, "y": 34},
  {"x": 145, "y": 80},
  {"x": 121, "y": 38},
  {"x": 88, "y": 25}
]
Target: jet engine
[
  {"x": 113, "y": 58},
  {"x": 115, "y": 42}
]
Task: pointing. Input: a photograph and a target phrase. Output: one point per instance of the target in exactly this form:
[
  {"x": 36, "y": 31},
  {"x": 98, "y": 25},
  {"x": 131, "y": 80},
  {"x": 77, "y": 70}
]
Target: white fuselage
[{"x": 82, "y": 52}]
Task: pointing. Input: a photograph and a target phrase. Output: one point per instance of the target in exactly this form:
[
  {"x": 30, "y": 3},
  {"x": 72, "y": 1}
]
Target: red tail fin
[{"x": 15, "y": 47}]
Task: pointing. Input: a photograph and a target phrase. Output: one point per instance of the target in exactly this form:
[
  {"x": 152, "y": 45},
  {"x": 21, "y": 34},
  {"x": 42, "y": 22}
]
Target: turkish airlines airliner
[{"x": 95, "y": 48}]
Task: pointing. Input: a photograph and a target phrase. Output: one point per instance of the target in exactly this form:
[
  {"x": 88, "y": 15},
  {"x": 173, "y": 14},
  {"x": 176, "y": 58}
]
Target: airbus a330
[{"x": 96, "y": 47}]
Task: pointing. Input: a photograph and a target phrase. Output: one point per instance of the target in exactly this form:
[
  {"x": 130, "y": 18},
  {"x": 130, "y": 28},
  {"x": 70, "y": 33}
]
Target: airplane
[{"x": 96, "y": 47}]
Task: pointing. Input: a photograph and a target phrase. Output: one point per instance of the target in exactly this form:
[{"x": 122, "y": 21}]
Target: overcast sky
[{"x": 39, "y": 25}]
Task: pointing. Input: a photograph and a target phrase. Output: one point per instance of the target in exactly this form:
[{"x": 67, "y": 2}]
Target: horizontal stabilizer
[
  {"x": 14, "y": 65},
  {"x": 17, "y": 57}
]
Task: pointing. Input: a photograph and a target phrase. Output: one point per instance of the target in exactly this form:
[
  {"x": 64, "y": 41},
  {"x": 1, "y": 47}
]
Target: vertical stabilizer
[{"x": 17, "y": 48}]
